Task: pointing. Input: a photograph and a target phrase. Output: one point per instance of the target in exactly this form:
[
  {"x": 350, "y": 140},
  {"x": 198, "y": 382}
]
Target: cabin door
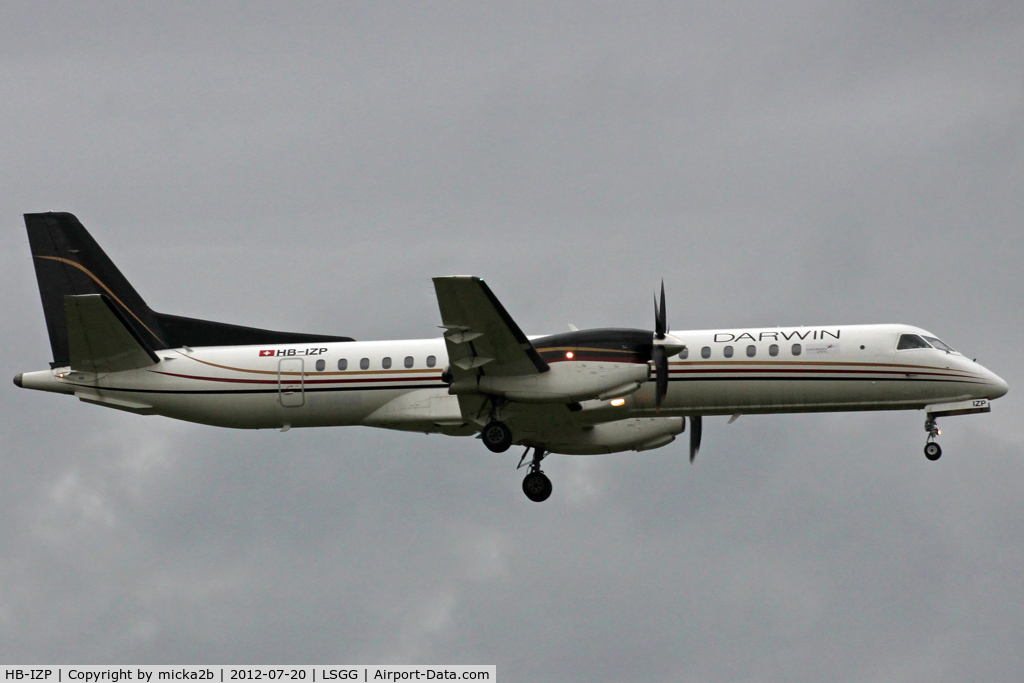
[{"x": 291, "y": 382}]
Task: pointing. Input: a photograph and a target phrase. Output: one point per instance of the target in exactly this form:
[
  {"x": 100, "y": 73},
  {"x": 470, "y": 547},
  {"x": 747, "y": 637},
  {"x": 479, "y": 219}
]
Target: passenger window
[
  {"x": 727, "y": 351},
  {"x": 685, "y": 353},
  {"x": 939, "y": 344},
  {"x": 431, "y": 361},
  {"x": 320, "y": 365},
  {"x": 705, "y": 352},
  {"x": 364, "y": 364},
  {"x": 409, "y": 361},
  {"x": 773, "y": 350},
  {"x": 386, "y": 363},
  {"x": 796, "y": 349},
  {"x": 911, "y": 341},
  {"x": 751, "y": 351},
  {"x": 343, "y": 363}
]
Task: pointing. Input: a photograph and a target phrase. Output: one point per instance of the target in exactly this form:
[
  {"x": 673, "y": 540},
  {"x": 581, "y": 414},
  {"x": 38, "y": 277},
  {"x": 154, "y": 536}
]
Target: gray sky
[{"x": 310, "y": 168}]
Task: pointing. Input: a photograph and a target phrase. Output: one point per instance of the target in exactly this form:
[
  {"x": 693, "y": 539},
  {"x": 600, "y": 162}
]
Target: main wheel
[
  {"x": 497, "y": 437},
  {"x": 537, "y": 487},
  {"x": 932, "y": 450}
]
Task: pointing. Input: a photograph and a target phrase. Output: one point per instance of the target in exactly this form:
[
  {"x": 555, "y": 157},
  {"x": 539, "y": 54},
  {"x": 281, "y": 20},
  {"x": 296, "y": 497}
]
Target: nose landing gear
[
  {"x": 932, "y": 450},
  {"x": 536, "y": 485}
]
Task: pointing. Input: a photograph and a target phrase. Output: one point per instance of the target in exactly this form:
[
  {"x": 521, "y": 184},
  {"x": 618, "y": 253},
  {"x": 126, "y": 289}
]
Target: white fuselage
[{"x": 838, "y": 368}]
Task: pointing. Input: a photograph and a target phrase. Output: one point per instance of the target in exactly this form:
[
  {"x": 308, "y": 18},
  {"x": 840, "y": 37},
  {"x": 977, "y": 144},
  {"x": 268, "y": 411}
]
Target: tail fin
[{"x": 69, "y": 262}]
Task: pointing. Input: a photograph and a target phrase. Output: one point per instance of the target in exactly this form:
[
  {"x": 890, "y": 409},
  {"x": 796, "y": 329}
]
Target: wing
[
  {"x": 98, "y": 338},
  {"x": 482, "y": 338}
]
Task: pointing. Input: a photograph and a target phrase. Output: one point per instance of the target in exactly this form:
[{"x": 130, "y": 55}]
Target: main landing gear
[
  {"x": 536, "y": 485},
  {"x": 498, "y": 438},
  {"x": 496, "y": 435},
  {"x": 932, "y": 450}
]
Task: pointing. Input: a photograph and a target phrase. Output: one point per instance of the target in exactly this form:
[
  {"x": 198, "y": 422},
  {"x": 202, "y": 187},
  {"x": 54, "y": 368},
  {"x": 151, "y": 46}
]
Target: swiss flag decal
[{"x": 267, "y": 352}]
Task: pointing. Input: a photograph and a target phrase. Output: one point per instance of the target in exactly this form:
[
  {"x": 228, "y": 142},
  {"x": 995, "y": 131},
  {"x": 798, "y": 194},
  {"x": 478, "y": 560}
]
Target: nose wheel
[
  {"x": 536, "y": 485},
  {"x": 932, "y": 450}
]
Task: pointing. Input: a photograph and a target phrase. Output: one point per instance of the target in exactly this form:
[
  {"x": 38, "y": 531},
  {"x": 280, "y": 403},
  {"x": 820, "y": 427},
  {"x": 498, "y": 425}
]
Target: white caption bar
[{"x": 231, "y": 674}]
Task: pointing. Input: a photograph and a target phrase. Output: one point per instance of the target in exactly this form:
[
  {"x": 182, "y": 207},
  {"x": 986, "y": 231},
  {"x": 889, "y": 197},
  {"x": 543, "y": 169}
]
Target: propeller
[
  {"x": 695, "y": 429},
  {"x": 660, "y": 316},
  {"x": 664, "y": 347}
]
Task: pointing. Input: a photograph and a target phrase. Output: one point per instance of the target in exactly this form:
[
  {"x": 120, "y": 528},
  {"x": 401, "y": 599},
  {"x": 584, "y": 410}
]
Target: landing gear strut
[
  {"x": 932, "y": 450},
  {"x": 536, "y": 485}
]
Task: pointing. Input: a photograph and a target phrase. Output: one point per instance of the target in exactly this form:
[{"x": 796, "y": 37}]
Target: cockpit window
[
  {"x": 940, "y": 345},
  {"x": 912, "y": 341}
]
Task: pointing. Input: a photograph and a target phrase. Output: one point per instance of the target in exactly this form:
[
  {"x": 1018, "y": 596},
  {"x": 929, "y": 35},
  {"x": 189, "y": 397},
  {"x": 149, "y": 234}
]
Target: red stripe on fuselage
[
  {"x": 813, "y": 371},
  {"x": 291, "y": 379}
]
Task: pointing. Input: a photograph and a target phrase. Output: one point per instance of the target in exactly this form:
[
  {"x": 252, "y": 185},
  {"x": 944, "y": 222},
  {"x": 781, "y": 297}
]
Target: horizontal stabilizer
[
  {"x": 99, "y": 339},
  {"x": 115, "y": 403}
]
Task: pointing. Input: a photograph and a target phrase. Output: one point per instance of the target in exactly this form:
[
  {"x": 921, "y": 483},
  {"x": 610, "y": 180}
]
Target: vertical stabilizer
[{"x": 69, "y": 262}]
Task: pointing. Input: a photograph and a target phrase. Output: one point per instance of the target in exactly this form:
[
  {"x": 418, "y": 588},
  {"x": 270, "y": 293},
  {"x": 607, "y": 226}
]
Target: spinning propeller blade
[
  {"x": 658, "y": 353},
  {"x": 695, "y": 428},
  {"x": 660, "y": 316}
]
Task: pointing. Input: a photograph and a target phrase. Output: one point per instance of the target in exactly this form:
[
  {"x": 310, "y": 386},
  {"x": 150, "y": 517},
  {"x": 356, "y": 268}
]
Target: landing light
[
  {"x": 618, "y": 402},
  {"x": 568, "y": 354}
]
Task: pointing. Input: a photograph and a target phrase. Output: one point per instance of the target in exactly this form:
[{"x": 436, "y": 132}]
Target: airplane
[{"x": 581, "y": 392}]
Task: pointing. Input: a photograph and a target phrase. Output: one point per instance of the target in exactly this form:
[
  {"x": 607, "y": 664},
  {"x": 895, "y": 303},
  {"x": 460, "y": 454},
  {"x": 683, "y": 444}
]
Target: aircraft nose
[{"x": 998, "y": 386}]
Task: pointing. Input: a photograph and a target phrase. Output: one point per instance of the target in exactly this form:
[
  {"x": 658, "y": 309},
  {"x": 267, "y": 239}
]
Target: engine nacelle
[
  {"x": 564, "y": 382},
  {"x": 632, "y": 434}
]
